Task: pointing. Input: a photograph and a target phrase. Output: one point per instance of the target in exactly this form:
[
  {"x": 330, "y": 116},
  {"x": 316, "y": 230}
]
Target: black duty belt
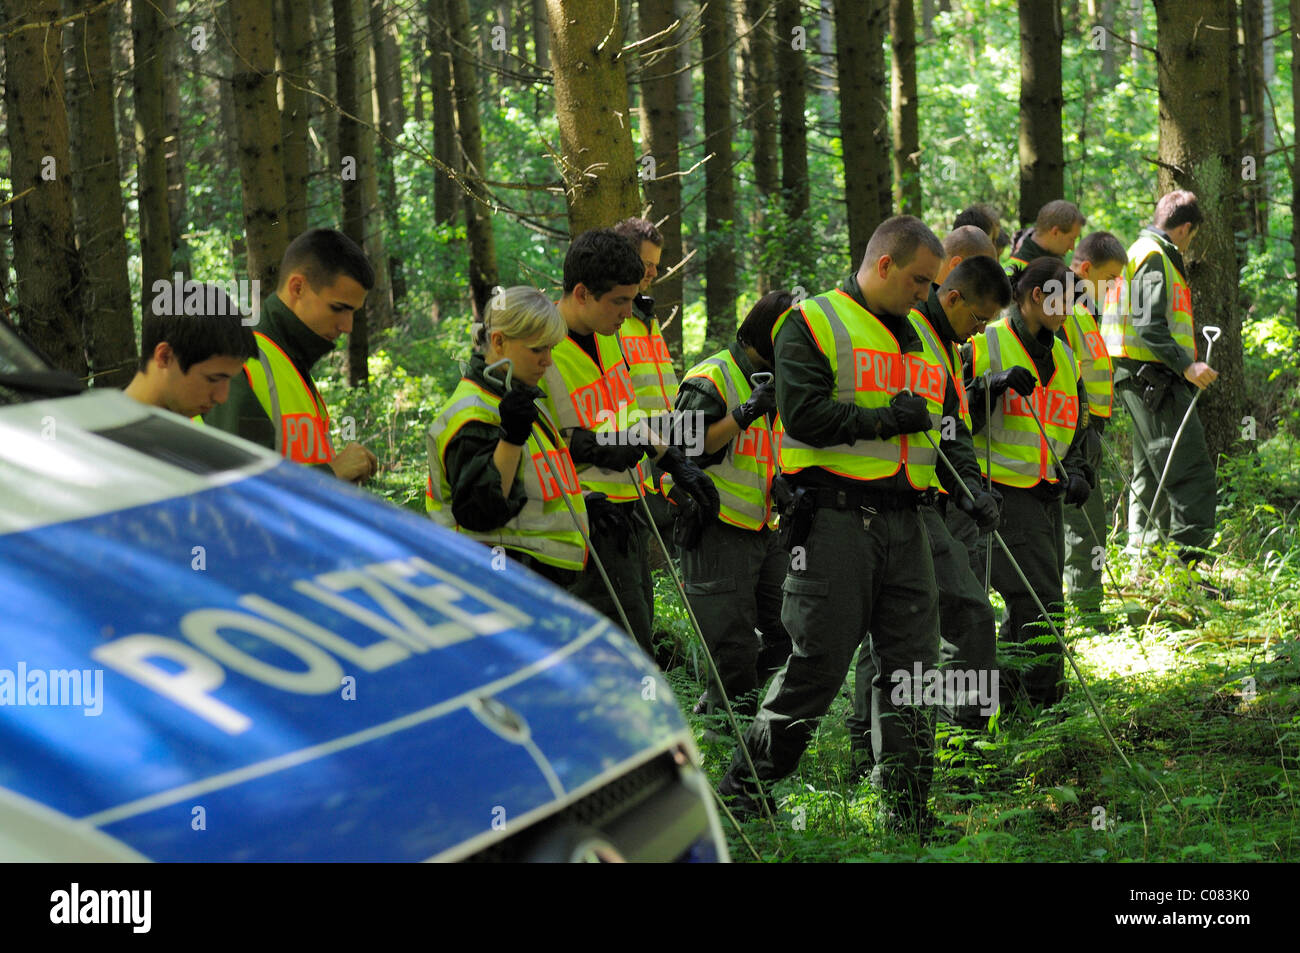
[{"x": 856, "y": 498}]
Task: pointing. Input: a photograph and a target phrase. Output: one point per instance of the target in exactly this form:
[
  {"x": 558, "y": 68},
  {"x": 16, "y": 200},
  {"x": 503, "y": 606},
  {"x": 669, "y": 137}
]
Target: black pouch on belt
[
  {"x": 1155, "y": 381},
  {"x": 796, "y": 519}
]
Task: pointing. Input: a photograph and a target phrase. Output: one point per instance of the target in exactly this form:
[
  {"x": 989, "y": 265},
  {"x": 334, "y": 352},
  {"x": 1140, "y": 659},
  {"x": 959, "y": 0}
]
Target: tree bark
[
  {"x": 659, "y": 140},
  {"x": 257, "y": 120},
  {"x": 719, "y": 178},
  {"x": 97, "y": 199},
  {"x": 1102, "y": 13},
  {"x": 446, "y": 193},
  {"x": 1295, "y": 178},
  {"x": 379, "y": 302},
  {"x": 598, "y": 160},
  {"x": 392, "y": 120},
  {"x": 46, "y": 262},
  {"x": 791, "y": 71},
  {"x": 172, "y": 143},
  {"x": 1195, "y": 153},
  {"x": 151, "y": 154},
  {"x": 1042, "y": 151},
  {"x": 864, "y": 124},
  {"x": 346, "y": 55},
  {"x": 328, "y": 114},
  {"x": 541, "y": 35},
  {"x": 907, "y": 136},
  {"x": 478, "y": 216},
  {"x": 764, "y": 124},
  {"x": 1135, "y": 30},
  {"x": 293, "y": 42},
  {"x": 1252, "y": 28}
]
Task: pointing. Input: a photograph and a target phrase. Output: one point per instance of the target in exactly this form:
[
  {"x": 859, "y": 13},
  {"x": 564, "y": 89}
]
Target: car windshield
[{"x": 16, "y": 357}]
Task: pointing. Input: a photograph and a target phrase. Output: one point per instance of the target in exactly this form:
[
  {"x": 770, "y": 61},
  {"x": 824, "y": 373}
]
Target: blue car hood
[{"x": 287, "y": 668}]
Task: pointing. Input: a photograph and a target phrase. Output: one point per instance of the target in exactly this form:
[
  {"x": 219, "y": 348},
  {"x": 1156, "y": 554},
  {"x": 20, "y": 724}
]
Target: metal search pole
[
  {"x": 1119, "y": 468},
  {"x": 988, "y": 469}
]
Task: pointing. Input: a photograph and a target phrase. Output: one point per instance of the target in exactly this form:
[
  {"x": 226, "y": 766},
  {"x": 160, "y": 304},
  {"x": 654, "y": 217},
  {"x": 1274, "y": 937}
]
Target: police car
[{"x": 210, "y": 654}]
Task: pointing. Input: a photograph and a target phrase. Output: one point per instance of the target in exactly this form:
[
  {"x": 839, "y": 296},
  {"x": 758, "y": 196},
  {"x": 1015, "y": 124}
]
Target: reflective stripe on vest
[
  {"x": 600, "y": 399},
  {"x": 1094, "y": 360},
  {"x": 648, "y": 364},
  {"x": 1117, "y": 323},
  {"x": 1020, "y": 457},
  {"x": 950, "y": 361},
  {"x": 743, "y": 476},
  {"x": 544, "y": 527},
  {"x": 869, "y": 369},
  {"x": 298, "y": 415}
]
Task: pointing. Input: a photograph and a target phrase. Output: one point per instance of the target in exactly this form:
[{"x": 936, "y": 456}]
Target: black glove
[
  {"x": 688, "y": 525},
  {"x": 587, "y": 447},
  {"x": 692, "y": 480},
  {"x": 518, "y": 412},
  {"x": 906, "y": 413},
  {"x": 609, "y": 521},
  {"x": 760, "y": 402},
  {"x": 984, "y": 509},
  {"x": 1077, "y": 490},
  {"x": 1019, "y": 379},
  {"x": 782, "y": 493}
]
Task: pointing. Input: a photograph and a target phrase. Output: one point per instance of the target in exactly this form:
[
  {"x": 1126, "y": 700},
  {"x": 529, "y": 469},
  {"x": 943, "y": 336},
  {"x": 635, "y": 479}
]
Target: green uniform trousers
[
  {"x": 1033, "y": 530},
  {"x": 626, "y": 561},
  {"x": 967, "y": 641},
  {"x": 733, "y": 578},
  {"x": 1187, "y": 503},
  {"x": 856, "y": 574},
  {"x": 1082, "y": 557}
]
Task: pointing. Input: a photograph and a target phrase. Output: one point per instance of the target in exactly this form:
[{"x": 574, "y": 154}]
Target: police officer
[
  {"x": 733, "y": 568},
  {"x": 486, "y": 478},
  {"x": 1096, "y": 263},
  {"x": 648, "y": 362},
  {"x": 852, "y": 447},
  {"x": 1031, "y": 372},
  {"x": 1150, "y": 332},
  {"x": 324, "y": 277},
  {"x": 589, "y": 394},
  {"x": 1053, "y": 235}
]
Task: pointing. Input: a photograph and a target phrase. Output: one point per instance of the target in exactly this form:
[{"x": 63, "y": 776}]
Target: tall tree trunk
[
  {"x": 541, "y": 35},
  {"x": 327, "y": 113},
  {"x": 148, "y": 76},
  {"x": 663, "y": 187},
  {"x": 172, "y": 144},
  {"x": 1195, "y": 153},
  {"x": 46, "y": 262},
  {"x": 1042, "y": 151},
  {"x": 97, "y": 199},
  {"x": 1135, "y": 14},
  {"x": 907, "y": 135},
  {"x": 293, "y": 42},
  {"x": 379, "y": 302},
  {"x": 1252, "y": 24},
  {"x": 826, "y": 48},
  {"x": 229, "y": 147},
  {"x": 1241, "y": 213},
  {"x": 860, "y": 39},
  {"x": 763, "y": 122},
  {"x": 598, "y": 160},
  {"x": 352, "y": 182},
  {"x": 478, "y": 216},
  {"x": 686, "y": 129},
  {"x": 257, "y": 120},
  {"x": 392, "y": 120},
  {"x": 1102, "y": 14},
  {"x": 719, "y": 178},
  {"x": 1295, "y": 154},
  {"x": 446, "y": 193},
  {"x": 791, "y": 71},
  {"x": 927, "y": 19}
]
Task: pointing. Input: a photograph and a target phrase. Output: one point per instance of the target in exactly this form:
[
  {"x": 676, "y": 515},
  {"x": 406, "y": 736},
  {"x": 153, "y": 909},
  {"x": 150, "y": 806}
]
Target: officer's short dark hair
[
  {"x": 967, "y": 241},
  {"x": 1059, "y": 214},
  {"x": 322, "y": 254},
  {"x": 218, "y": 331},
  {"x": 756, "y": 329},
  {"x": 638, "y": 230},
  {"x": 1176, "y": 208},
  {"x": 977, "y": 215},
  {"x": 1039, "y": 273},
  {"x": 1100, "y": 248},
  {"x": 979, "y": 278},
  {"x": 899, "y": 238},
  {"x": 599, "y": 259}
]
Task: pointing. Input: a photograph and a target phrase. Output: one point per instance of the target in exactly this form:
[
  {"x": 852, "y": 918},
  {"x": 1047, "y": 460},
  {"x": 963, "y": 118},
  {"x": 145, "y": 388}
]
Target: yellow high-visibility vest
[
  {"x": 648, "y": 364},
  {"x": 869, "y": 368},
  {"x": 1019, "y": 455},
  {"x": 544, "y": 528},
  {"x": 600, "y": 398},
  {"x": 744, "y": 475},
  {"x": 1094, "y": 359},
  {"x": 951, "y": 362},
  {"x": 1118, "y": 325},
  {"x": 299, "y": 416}
]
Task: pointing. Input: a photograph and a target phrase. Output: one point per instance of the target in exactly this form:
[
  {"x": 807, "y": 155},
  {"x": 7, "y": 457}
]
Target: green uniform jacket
[
  {"x": 242, "y": 413},
  {"x": 1154, "y": 332},
  {"x": 805, "y": 389},
  {"x": 1030, "y": 249},
  {"x": 959, "y": 448},
  {"x": 1040, "y": 351},
  {"x": 698, "y": 394}
]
